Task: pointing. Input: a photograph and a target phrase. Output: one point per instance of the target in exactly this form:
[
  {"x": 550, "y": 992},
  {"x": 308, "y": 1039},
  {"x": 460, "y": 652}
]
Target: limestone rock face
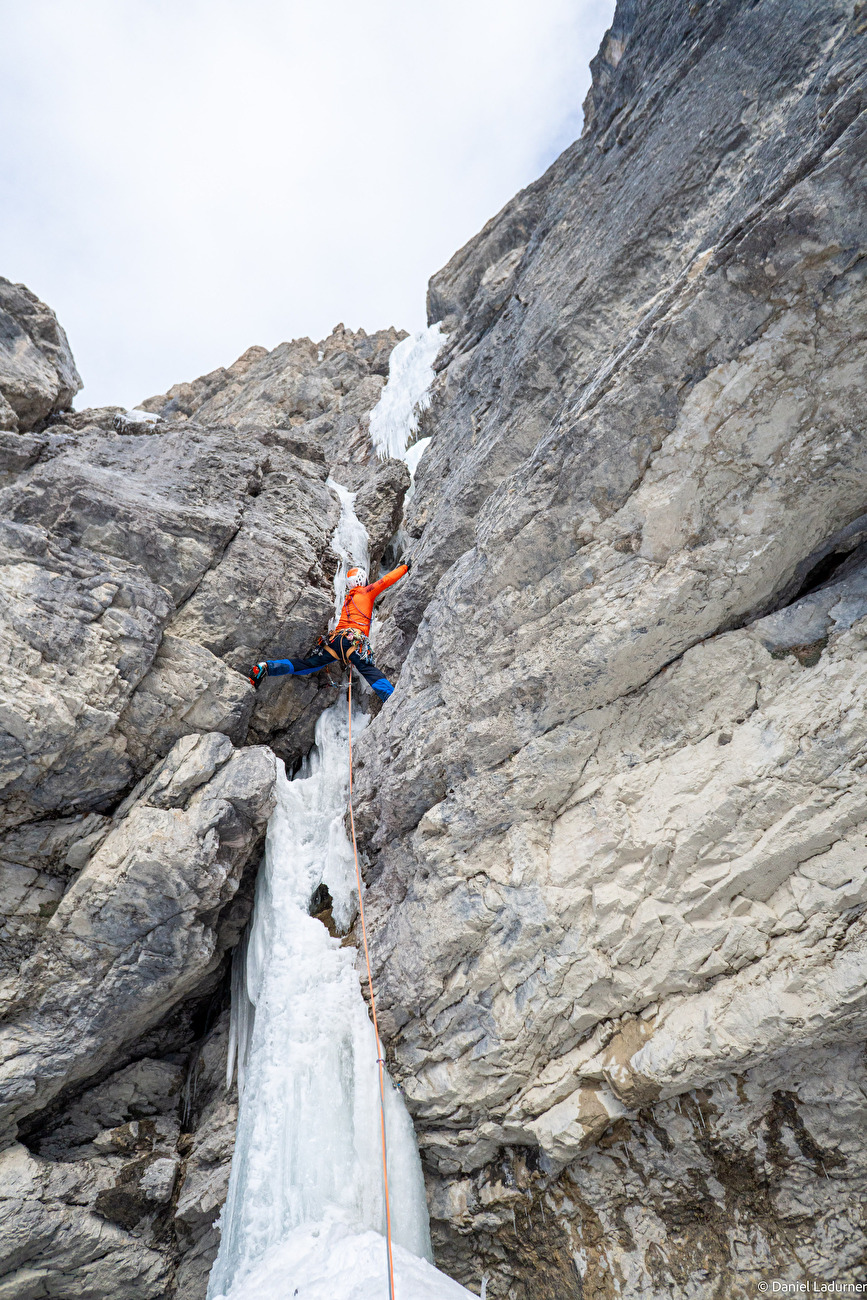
[
  {"x": 143, "y": 568},
  {"x": 55, "y": 1243},
  {"x": 37, "y": 370},
  {"x": 141, "y": 576},
  {"x": 328, "y": 387},
  {"x": 701, "y": 1195},
  {"x": 112, "y": 542},
  {"x": 205, "y": 1175},
  {"x": 88, "y": 1209},
  {"x": 144, "y": 922},
  {"x": 614, "y": 817},
  {"x": 615, "y": 814},
  {"x": 379, "y": 502}
]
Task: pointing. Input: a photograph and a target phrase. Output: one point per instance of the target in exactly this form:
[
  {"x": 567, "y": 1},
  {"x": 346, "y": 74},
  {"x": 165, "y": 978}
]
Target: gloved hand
[{"x": 408, "y": 563}]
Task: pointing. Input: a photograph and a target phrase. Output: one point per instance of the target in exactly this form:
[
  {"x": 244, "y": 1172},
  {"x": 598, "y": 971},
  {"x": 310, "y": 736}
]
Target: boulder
[
  {"x": 37, "y": 371},
  {"x": 145, "y": 921}
]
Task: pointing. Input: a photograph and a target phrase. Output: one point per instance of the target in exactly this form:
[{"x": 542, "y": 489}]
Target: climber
[{"x": 348, "y": 643}]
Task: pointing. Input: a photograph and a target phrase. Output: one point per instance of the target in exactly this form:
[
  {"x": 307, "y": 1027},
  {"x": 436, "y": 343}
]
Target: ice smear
[
  {"x": 414, "y": 455},
  {"x": 394, "y": 419},
  {"x": 350, "y": 541},
  {"x": 307, "y": 1151},
  {"x": 329, "y": 1262}
]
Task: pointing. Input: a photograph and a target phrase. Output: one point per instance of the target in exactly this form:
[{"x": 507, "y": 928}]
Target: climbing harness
[
  {"x": 379, "y": 1058},
  {"x": 344, "y": 643}
]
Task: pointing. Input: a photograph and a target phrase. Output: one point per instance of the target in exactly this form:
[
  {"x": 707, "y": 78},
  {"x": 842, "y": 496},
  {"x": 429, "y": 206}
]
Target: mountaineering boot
[{"x": 258, "y": 673}]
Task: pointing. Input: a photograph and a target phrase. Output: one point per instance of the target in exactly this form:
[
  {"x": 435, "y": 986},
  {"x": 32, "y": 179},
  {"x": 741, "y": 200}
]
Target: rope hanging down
[{"x": 379, "y": 1058}]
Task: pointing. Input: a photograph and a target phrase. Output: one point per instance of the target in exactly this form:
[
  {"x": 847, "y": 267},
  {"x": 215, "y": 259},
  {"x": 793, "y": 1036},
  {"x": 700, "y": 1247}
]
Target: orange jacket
[{"x": 358, "y": 606}]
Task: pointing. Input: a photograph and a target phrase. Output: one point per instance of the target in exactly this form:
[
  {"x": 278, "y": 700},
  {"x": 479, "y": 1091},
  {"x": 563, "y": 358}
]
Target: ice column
[
  {"x": 308, "y": 1149},
  {"x": 305, "y": 1194}
]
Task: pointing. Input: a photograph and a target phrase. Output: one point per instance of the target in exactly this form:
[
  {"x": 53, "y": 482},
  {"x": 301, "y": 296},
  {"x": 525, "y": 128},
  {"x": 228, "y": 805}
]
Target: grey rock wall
[
  {"x": 143, "y": 568},
  {"x": 328, "y": 387},
  {"x": 614, "y": 818},
  {"x": 614, "y": 815}
]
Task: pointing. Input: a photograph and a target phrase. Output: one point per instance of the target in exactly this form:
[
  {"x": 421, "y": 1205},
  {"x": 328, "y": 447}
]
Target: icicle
[
  {"x": 240, "y": 1018},
  {"x": 394, "y": 419}
]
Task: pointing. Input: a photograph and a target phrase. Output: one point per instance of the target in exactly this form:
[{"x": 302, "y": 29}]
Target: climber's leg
[
  {"x": 299, "y": 667},
  {"x": 372, "y": 674}
]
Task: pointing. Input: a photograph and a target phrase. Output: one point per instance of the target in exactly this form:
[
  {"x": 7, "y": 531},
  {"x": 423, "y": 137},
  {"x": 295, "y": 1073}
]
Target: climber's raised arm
[{"x": 388, "y": 579}]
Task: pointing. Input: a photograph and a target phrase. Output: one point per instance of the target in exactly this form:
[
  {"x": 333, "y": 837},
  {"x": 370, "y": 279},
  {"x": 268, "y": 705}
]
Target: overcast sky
[{"x": 183, "y": 178}]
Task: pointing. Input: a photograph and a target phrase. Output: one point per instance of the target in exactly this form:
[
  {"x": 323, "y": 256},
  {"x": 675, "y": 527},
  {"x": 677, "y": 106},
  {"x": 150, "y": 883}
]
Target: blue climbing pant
[{"x": 350, "y": 649}]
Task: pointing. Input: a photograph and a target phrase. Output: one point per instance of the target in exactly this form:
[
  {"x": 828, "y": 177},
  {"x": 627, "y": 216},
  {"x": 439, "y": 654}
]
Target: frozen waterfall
[
  {"x": 307, "y": 1153},
  {"x": 305, "y": 1212},
  {"x": 394, "y": 419}
]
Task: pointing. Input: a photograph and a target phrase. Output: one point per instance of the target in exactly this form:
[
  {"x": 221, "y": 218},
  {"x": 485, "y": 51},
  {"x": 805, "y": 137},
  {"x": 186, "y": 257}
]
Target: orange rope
[{"x": 379, "y": 1059}]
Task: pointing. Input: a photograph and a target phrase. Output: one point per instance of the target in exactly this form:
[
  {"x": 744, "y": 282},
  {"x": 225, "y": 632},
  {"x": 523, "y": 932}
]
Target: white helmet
[{"x": 356, "y": 578}]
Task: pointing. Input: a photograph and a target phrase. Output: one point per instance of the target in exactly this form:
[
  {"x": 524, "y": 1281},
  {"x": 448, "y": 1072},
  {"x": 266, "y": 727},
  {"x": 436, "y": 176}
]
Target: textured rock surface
[
  {"x": 118, "y": 1190},
  {"x": 37, "y": 372},
  {"x": 328, "y": 387},
  {"x": 55, "y": 1243},
  {"x": 141, "y": 572},
  {"x": 379, "y": 504},
  {"x": 615, "y": 814},
  {"x": 89, "y": 1210},
  {"x": 145, "y": 921},
  {"x": 109, "y": 542},
  {"x": 205, "y": 1174},
  {"x": 753, "y": 1178},
  {"x": 142, "y": 569}
]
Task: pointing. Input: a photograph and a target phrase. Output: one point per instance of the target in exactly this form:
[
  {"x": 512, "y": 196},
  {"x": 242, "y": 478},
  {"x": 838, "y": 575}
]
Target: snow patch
[
  {"x": 135, "y": 421},
  {"x": 330, "y": 1262}
]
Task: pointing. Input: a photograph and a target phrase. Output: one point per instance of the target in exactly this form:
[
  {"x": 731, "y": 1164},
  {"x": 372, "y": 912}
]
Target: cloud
[{"x": 183, "y": 178}]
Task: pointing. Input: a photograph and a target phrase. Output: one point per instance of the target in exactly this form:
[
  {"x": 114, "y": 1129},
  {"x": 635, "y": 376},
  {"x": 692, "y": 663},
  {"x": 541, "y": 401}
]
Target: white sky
[{"x": 180, "y": 179}]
